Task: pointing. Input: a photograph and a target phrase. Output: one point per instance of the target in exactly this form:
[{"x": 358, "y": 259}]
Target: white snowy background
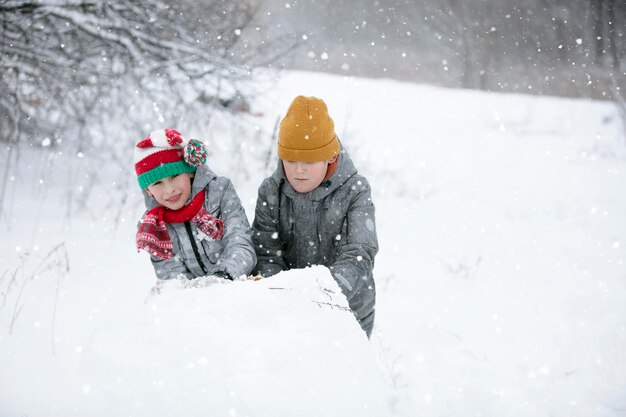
[{"x": 501, "y": 274}]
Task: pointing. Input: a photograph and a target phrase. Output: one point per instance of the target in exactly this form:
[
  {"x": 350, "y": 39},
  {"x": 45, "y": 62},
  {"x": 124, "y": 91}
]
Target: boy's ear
[
  {"x": 332, "y": 160},
  {"x": 149, "y": 193}
]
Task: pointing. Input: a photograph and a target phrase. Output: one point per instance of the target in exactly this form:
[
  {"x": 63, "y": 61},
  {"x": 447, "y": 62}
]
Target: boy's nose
[{"x": 169, "y": 188}]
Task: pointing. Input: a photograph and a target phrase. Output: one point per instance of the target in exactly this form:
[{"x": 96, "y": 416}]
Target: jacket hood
[
  {"x": 202, "y": 178},
  {"x": 345, "y": 169}
]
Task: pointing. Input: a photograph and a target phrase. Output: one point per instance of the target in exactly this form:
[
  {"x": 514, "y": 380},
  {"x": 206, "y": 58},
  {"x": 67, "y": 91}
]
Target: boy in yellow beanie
[{"x": 315, "y": 209}]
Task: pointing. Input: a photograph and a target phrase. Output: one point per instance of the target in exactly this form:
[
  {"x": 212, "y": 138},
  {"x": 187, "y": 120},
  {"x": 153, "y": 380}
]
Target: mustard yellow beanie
[{"x": 307, "y": 133}]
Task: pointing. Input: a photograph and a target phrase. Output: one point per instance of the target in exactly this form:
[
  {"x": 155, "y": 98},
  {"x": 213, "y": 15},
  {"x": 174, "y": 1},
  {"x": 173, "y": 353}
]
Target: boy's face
[
  {"x": 172, "y": 192},
  {"x": 306, "y": 176}
]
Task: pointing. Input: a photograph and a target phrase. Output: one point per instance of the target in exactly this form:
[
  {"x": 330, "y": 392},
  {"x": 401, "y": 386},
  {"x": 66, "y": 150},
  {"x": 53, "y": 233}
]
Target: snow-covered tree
[
  {"x": 60, "y": 60},
  {"x": 88, "y": 78}
]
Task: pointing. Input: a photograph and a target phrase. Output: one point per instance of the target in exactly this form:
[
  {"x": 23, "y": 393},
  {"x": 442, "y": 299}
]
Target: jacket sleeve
[
  {"x": 353, "y": 266},
  {"x": 170, "y": 268},
  {"x": 265, "y": 232},
  {"x": 238, "y": 257}
]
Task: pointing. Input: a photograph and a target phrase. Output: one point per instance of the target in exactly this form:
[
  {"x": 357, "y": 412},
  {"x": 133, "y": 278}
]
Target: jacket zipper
[{"x": 195, "y": 247}]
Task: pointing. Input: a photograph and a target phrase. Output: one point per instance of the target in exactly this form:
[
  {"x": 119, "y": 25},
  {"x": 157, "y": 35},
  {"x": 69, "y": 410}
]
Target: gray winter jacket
[
  {"x": 233, "y": 253},
  {"x": 333, "y": 225}
]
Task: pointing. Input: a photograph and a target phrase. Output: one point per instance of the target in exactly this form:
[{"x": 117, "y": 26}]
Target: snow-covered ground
[{"x": 501, "y": 275}]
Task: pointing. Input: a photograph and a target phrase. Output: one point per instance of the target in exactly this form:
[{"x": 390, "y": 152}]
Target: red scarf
[{"x": 152, "y": 235}]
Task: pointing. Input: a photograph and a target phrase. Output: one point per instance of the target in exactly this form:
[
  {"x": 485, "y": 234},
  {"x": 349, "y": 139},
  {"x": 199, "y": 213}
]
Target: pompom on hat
[
  {"x": 165, "y": 153},
  {"x": 307, "y": 133}
]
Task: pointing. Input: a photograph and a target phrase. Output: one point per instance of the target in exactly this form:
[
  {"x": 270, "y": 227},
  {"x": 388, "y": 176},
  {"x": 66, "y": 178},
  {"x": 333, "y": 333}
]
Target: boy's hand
[{"x": 255, "y": 277}]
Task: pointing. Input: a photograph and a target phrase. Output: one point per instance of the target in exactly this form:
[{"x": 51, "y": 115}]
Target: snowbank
[{"x": 283, "y": 346}]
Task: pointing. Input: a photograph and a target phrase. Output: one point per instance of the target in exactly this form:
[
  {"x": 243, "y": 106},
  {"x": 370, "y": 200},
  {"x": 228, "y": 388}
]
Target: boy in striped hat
[{"x": 195, "y": 224}]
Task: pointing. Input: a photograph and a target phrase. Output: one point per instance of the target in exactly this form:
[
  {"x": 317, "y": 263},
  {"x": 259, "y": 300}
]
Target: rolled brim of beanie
[
  {"x": 163, "y": 171},
  {"x": 323, "y": 153}
]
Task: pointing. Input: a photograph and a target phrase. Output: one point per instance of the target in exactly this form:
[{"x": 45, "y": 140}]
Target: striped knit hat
[{"x": 165, "y": 153}]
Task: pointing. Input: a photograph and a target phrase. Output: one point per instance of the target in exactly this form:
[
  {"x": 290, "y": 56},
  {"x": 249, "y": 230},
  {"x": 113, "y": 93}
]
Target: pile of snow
[{"x": 244, "y": 348}]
